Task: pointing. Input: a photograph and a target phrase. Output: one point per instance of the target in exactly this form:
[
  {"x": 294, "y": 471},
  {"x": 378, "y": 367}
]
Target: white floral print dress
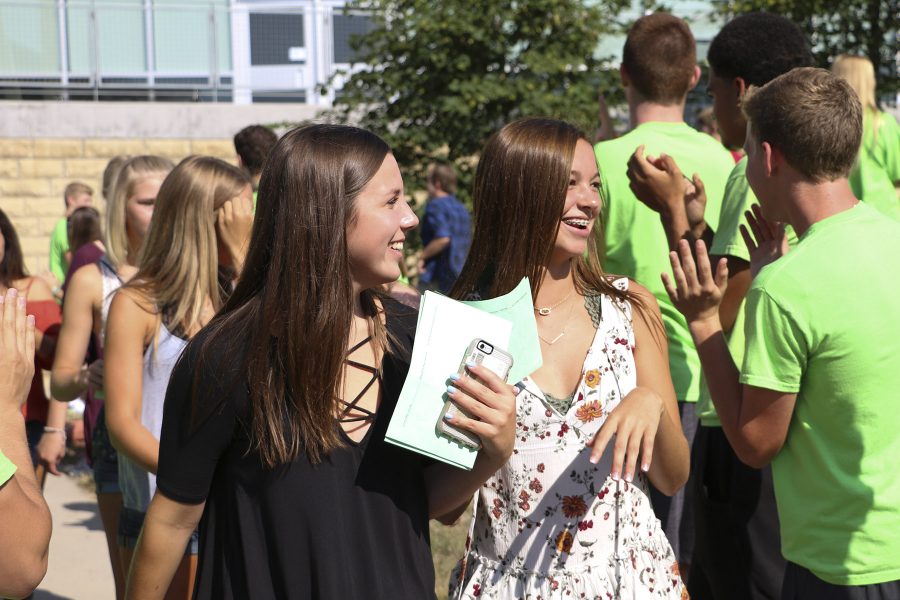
[{"x": 549, "y": 524}]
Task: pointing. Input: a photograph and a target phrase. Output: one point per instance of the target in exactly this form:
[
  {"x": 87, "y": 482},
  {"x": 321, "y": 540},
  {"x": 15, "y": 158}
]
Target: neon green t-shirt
[
  {"x": 7, "y": 469},
  {"x": 822, "y": 321},
  {"x": 635, "y": 241},
  {"x": 877, "y": 169},
  {"x": 59, "y": 245},
  {"x": 728, "y": 241}
]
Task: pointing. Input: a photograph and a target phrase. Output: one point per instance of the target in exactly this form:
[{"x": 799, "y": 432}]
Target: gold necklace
[
  {"x": 565, "y": 326},
  {"x": 546, "y": 310}
]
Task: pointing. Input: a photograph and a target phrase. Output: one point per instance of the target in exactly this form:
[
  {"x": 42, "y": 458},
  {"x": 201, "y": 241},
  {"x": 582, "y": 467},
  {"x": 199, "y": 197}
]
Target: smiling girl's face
[
  {"x": 375, "y": 238},
  {"x": 582, "y": 204}
]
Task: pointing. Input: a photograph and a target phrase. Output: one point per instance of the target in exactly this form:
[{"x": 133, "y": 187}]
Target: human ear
[
  {"x": 695, "y": 78},
  {"x": 772, "y": 158},
  {"x": 740, "y": 87}
]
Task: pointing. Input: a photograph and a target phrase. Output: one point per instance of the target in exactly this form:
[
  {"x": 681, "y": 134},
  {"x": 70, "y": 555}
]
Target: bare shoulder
[
  {"x": 87, "y": 281},
  {"x": 133, "y": 301},
  {"x": 643, "y": 294}
]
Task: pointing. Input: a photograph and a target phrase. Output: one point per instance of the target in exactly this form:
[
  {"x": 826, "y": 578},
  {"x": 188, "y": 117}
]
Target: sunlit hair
[
  {"x": 813, "y": 117},
  {"x": 860, "y": 74},
  {"x": 518, "y": 201},
  {"x": 291, "y": 313},
  {"x": 74, "y": 189},
  {"x": 179, "y": 260},
  {"x": 130, "y": 175},
  {"x": 110, "y": 173},
  {"x": 12, "y": 267}
]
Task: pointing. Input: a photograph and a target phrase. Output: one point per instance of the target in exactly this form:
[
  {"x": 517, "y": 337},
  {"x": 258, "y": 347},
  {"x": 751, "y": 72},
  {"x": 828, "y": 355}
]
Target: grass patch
[{"x": 447, "y": 547}]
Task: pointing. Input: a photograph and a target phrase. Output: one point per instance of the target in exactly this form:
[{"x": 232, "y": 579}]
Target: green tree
[
  {"x": 439, "y": 77},
  {"x": 864, "y": 27}
]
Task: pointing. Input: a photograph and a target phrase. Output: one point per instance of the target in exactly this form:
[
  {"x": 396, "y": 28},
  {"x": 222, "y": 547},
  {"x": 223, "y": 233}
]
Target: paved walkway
[{"x": 79, "y": 562}]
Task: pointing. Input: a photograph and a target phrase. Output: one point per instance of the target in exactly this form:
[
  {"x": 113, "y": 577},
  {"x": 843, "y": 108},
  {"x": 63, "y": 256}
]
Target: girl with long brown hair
[
  {"x": 569, "y": 513},
  {"x": 129, "y": 206},
  {"x": 197, "y": 236},
  {"x": 275, "y": 417}
]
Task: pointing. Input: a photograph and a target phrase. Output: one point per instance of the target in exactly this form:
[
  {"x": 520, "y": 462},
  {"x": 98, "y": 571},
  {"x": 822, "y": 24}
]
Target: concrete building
[{"x": 238, "y": 51}]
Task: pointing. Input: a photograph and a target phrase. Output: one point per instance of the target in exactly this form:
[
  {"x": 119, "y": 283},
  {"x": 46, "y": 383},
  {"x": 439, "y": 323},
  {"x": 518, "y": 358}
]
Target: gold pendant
[{"x": 554, "y": 340}]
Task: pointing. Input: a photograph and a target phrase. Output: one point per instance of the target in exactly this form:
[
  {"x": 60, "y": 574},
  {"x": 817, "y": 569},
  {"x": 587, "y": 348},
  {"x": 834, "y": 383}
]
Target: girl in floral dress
[{"x": 569, "y": 515}]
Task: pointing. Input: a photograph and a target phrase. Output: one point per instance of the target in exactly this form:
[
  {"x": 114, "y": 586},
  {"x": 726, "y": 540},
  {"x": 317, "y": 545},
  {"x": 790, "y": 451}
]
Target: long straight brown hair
[
  {"x": 518, "y": 201},
  {"x": 290, "y": 315},
  {"x": 12, "y": 267}
]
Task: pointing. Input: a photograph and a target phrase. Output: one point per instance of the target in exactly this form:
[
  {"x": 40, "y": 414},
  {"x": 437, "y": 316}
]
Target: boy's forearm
[{"x": 722, "y": 377}]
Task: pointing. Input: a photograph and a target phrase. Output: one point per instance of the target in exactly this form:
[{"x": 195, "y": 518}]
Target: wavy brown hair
[
  {"x": 518, "y": 201},
  {"x": 290, "y": 315}
]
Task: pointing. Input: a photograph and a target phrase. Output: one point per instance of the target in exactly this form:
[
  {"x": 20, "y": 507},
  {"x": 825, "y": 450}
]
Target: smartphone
[{"x": 487, "y": 355}]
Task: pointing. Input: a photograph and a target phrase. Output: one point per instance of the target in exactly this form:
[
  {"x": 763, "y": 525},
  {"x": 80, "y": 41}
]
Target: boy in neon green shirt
[
  {"x": 817, "y": 393},
  {"x": 731, "y": 500},
  {"x": 659, "y": 68},
  {"x": 75, "y": 196}
]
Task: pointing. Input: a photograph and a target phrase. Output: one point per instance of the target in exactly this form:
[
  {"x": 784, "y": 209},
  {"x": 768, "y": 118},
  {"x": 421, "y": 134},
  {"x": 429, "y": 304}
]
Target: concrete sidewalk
[{"x": 79, "y": 561}]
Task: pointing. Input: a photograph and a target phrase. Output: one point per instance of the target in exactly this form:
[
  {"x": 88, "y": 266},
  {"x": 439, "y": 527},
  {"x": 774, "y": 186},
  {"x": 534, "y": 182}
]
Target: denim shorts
[
  {"x": 33, "y": 432},
  {"x": 106, "y": 460},
  {"x": 130, "y": 523}
]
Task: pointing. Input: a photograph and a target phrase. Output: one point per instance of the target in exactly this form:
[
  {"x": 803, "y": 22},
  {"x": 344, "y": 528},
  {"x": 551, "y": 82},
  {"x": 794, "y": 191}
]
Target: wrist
[
  {"x": 56, "y": 430},
  {"x": 698, "y": 230},
  {"x": 674, "y": 219},
  {"x": 705, "y": 327}
]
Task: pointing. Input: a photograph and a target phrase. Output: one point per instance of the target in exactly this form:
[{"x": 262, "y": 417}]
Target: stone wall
[
  {"x": 34, "y": 173},
  {"x": 46, "y": 145}
]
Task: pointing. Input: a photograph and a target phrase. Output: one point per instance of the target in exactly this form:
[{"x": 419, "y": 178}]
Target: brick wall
[{"x": 34, "y": 173}]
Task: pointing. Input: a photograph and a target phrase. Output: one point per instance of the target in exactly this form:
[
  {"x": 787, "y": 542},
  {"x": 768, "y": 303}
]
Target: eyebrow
[{"x": 596, "y": 175}]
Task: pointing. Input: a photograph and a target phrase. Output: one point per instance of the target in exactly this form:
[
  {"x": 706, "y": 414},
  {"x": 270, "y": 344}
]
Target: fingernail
[
  {"x": 470, "y": 364},
  {"x": 454, "y": 376},
  {"x": 13, "y": 292},
  {"x": 645, "y": 467},
  {"x": 30, "y": 319},
  {"x": 21, "y": 302},
  {"x": 451, "y": 389},
  {"x": 614, "y": 475},
  {"x": 629, "y": 477},
  {"x": 448, "y": 416},
  {"x": 593, "y": 460}
]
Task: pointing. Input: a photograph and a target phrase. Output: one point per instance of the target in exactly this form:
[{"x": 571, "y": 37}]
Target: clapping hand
[
  {"x": 663, "y": 188},
  {"x": 768, "y": 242},
  {"x": 695, "y": 292}
]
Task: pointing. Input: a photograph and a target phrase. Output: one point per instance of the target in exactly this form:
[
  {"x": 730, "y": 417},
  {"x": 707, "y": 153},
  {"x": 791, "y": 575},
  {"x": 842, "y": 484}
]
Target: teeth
[
  {"x": 398, "y": 246},
  {"x": 577, "y": 222}
]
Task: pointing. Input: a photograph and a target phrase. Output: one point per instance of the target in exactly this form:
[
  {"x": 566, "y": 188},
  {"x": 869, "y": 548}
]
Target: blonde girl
[{"x": 202, "y": 212}]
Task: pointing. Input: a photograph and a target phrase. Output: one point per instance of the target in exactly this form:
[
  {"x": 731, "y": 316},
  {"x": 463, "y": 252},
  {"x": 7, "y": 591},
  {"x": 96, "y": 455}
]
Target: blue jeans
[{"x": 106, "y": 460}]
